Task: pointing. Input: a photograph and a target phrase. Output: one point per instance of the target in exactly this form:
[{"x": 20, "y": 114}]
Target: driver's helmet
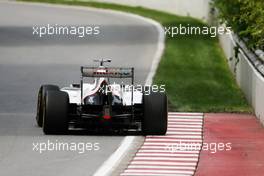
[{"x": 97, "y": 95}]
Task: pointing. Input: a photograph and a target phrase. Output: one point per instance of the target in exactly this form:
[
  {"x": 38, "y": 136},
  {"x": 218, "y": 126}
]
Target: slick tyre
[
  {"x": 41, "y": 94},
  {"x": 155, "y": 116},
  {"x": 55, "y": 112}
]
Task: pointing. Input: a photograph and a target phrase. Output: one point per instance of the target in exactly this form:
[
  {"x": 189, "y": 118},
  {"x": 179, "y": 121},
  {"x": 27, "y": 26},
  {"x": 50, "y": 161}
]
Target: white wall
[
  {"x": 250, "y": 81},
  {"x": 197, "y": 8}
]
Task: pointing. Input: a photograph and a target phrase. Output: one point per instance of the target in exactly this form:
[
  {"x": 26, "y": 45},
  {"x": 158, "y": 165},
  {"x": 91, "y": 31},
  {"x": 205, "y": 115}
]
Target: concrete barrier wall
[
  {"x": 197, "y": 8},
  {"x": 247, "y": 77}
]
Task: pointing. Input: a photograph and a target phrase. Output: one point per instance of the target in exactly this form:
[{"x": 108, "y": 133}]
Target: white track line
[
  {"x": 179, "y": 136},
  {"x": 160, "y": 143},
  {"x": 163, "y": 163},
  {"x": 185, "y": 113},
  {"x": 153, "y": 174},
  {"x": 167, "y": 151},
  {"x": 164, "y": 141},
  {"x": 185, "y": 116},
  {"x": 167, "y": 143},
  {"x": 185, "y": 123},
  {"x": 170, "y": 151},
  {"x": 165, "y": 154},
  {"x": 115, "y": 159},
  {"x": 183, "y": 129},
  {"x": 185, "y": 120},
  {"x": 185, "y": 132},
  {"x": 169, "y": 140},
  {"x": 158, "y": 171},
  {"x": 139, "y": 158},
  {"x": 186, "y": 126},
  {"x": 163, "y": 167}
]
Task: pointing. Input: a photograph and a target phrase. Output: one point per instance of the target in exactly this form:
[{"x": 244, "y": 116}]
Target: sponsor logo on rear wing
[{"x": 109, "y": 72}]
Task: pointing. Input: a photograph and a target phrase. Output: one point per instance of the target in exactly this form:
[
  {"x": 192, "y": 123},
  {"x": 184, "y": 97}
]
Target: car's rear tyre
[
  {"x": 41, "y": 94},
  {"x": 155, "y": 116},
  {"x": 55, "y": 112}
]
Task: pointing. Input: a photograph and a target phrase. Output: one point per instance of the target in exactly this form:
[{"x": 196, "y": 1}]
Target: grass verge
[{"x": 193, "y": 67}]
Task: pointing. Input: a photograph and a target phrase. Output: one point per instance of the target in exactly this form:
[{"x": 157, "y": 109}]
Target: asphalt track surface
[{"x": 27, "y": 61}]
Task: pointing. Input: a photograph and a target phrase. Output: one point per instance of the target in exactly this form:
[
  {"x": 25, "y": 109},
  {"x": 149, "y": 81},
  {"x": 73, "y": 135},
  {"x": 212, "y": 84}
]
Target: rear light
[
  {"x": 107, "y": 112},
  {"x": 107, "y": 117}
]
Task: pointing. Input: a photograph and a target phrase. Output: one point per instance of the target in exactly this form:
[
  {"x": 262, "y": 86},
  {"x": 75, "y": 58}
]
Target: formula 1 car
[{"x": 101, "y": 105}]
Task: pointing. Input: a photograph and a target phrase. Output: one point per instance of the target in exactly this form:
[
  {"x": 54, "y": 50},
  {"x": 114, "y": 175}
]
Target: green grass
[{"x": 193, "y": 67}]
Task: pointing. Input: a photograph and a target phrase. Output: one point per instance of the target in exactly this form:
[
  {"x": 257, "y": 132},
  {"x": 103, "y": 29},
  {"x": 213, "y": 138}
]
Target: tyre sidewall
[{"x": 55, "y": 111}]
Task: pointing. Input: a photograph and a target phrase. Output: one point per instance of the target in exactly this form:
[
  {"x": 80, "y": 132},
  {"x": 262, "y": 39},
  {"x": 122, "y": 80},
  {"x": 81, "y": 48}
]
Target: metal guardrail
[
  {"x": 254, "y": 59},
  {"x": 251, "y": 56}
]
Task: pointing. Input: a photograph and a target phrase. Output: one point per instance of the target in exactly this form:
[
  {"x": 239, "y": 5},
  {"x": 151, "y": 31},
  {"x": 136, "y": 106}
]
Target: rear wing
[{"x": 107, "y": 72}]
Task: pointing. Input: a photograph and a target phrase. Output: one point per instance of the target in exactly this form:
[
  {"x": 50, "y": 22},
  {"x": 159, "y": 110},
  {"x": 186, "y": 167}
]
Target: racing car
[{"x": 101, "y": 104}]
